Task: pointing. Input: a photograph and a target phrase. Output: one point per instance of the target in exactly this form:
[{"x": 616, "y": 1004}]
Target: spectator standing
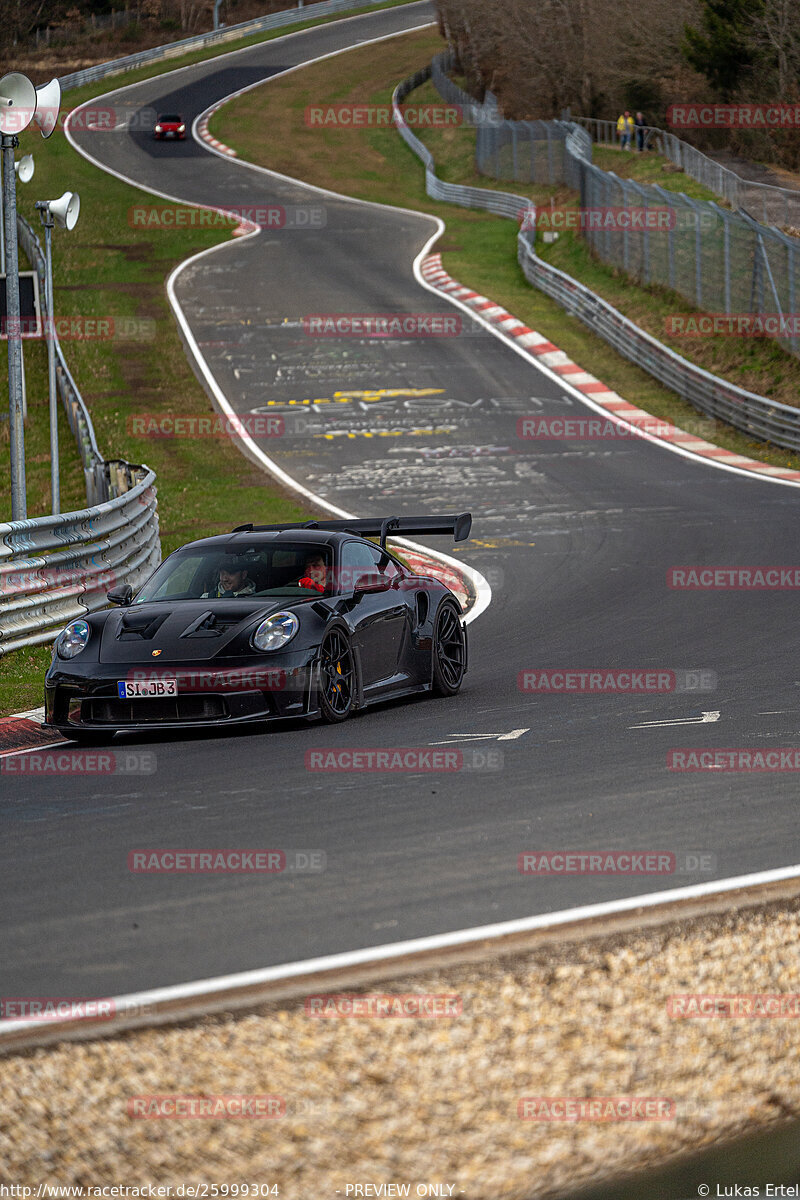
[
  {"x": 640, "y": 128},
  {"x": 625, "y": 130}
]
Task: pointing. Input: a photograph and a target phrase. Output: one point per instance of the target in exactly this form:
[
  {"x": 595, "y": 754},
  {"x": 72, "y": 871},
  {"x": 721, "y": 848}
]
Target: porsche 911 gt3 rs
[{"x": 265, "y": 623}]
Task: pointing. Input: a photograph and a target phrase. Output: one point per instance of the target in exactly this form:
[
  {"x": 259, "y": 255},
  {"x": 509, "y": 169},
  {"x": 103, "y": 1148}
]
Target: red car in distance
[{"x": 170, "y": 125}]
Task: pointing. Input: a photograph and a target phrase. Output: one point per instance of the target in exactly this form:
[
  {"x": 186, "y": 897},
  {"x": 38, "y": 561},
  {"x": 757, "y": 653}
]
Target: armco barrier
[
  {"x": 766, "y": 202},
  {"x": 719, "y": 260},
  {"x": 504, "y": 204},
  {"x": 760, "y": 418},
  {"x": 55, "y": 569},
  {"x": 230, "y": 33}
]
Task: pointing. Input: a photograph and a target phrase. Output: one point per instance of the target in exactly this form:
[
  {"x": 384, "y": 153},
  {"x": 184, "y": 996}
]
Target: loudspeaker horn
[
  {"x": 48, "y": 104},
  {"x": 24, "y": 168},
  {"x": 17, "y": 102},
  {"x": 65, "y": 209}
]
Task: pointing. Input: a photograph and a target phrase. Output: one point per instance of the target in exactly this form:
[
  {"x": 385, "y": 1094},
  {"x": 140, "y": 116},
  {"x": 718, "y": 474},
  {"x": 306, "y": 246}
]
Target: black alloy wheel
[
  {"x": 449, "y": 652},
  {"x": 337, "y": 677}
]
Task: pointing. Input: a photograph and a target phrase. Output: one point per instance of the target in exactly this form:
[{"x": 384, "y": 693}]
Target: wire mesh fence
[
  {"x": 721, "y": 261},
  {"x": 757, "y": 416},
  {"x": 766, "y": 202}
]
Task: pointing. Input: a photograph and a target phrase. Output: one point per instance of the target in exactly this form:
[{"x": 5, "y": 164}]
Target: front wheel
[
  {"x": 449, "y": 652},
  {"x": 337, "y": 677}
]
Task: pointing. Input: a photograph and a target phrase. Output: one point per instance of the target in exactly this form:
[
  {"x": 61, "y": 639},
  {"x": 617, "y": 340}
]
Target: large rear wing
[{"x": 456, "y": 525}]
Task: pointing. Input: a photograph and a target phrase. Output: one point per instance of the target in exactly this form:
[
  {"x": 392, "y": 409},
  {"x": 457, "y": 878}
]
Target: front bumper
[{"x": 209, "y": 695}]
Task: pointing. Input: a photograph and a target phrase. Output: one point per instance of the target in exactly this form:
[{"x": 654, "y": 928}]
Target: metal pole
[
  {"x": 16, "y": 427},
  {"x": 2, "y": 222},
  {"x": 55, "y": 483},
  {"x": 727, "y": 262}
]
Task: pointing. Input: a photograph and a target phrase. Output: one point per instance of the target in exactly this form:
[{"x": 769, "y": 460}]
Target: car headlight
[
  {"x": 276, "y": 631},
  {"x": 158, "y": 129},
  {"x": 181, "y": 129},
  {"x": 72, "y": 640}
]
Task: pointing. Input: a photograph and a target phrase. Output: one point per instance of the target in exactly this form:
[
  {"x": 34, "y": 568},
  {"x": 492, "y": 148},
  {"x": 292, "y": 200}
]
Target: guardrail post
[
  {"x": 792, "y": 309},
  {"x": 726, "y": 249},
  {"x": 698, "y": 251},
  {"x": 608, "y": 196}
]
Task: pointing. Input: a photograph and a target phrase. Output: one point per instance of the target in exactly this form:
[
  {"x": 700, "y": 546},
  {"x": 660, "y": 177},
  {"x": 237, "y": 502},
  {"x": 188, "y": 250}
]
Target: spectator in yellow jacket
[{"x": 625, "y": 126}]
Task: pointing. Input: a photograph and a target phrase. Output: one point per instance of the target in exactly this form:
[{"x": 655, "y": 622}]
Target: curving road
[{"x": 576, "y": 539}]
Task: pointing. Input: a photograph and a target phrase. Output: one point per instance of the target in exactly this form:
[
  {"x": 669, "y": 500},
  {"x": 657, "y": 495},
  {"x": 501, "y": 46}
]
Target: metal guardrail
[
  {"x": 769, "y": 203},
  {"x": 504, "y": 204},
  {"x": 229, "y": 33},
  {"x": 761, "y": 418},
  {"x": 55, "y": 569},
  {"x": 766, "y": 202},
  {"x": 719, "y": 260}
]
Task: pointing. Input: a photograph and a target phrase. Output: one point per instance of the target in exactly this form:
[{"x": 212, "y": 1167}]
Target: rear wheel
[
  {"x": 337, "y": 677},
  {"x": 449, "y": 652}
]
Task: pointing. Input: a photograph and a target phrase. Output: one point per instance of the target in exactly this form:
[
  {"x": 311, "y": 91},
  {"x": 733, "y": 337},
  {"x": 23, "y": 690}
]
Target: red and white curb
[
  {"x": 203, "y": 130},
  {"x": 244, "y": 226},
  {"x": 540, "y": 350},
  {"x": 24, "y": 731}
]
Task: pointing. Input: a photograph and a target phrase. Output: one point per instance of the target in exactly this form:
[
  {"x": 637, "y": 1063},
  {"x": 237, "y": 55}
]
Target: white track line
[
  {"x": 200, "y": 988},
  {"x": 561, "y": 380},
  {"x": 29, "y": 749},
  {"x": 481, "y": 587},
  {"x": 385, "y": 953}
]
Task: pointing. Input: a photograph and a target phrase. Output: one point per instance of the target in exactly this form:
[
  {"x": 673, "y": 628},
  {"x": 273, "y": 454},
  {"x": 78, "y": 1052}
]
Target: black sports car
[{"x": 266, "y": 622}]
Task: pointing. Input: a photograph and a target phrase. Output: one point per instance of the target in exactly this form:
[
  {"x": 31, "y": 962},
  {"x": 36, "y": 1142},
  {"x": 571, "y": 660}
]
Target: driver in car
[
  {"x": 233, "y": 581},
  {"x": 315, "y": 573}
]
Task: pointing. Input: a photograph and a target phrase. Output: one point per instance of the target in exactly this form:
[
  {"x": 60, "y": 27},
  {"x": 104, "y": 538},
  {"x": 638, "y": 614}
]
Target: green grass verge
[
  {"x": 108, "y": 269},
  {"x": 480, "y": 249},
  {"x": 139, "y": 74},
  {"x": 651, "y": 168},
  {"x": 21, "y": 679}
]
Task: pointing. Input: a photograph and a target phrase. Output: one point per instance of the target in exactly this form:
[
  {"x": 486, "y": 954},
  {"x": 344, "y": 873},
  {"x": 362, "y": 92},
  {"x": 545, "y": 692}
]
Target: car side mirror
[
  {"x": 372, "y": 583},
  {"x": 121, "y": 595}
]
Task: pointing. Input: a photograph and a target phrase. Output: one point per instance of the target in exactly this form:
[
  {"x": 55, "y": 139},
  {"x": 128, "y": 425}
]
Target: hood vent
[
  {"x": 139, "y": 626},
  {"x": 211, "y": 624}
]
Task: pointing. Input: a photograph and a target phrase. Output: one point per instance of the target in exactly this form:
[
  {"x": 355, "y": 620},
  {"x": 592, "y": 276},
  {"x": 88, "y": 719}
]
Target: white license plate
[{"x": 136, "y": 689}]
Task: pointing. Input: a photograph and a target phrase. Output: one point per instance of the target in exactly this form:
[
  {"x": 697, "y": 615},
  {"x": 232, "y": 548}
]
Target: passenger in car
[{"x": 315, "y": 573}]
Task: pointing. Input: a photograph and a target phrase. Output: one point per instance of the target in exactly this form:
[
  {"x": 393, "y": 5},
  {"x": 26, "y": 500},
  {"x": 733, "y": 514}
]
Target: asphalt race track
[{"x": 575, "y": 537}]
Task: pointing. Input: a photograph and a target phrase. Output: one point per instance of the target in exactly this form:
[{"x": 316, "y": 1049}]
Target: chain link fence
[
  {"x": 764, "y": 201},
  {"x": 503, "y": 204},
  {"x": 757, "y": 416},
  {"x": 722, "y": 262}
]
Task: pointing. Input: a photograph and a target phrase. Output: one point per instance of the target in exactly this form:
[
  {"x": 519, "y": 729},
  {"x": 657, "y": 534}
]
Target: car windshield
[
  {"x": 171, "y": 119},
  {"x": 283, "y": 569}
]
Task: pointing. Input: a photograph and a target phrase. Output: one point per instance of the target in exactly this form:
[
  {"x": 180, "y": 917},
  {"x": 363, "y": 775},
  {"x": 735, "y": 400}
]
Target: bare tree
[
  {"x": 776, "y": 36},
  {"x": 544, "y": 56}
]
